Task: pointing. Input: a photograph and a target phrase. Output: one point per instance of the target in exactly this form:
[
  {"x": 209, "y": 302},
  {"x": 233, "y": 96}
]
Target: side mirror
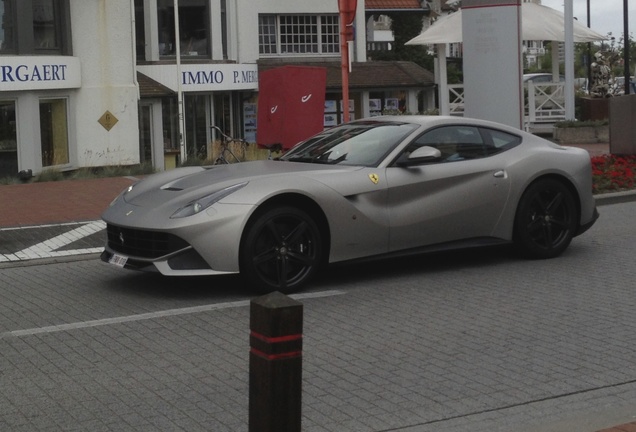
[{"x": 421, "y": 155}]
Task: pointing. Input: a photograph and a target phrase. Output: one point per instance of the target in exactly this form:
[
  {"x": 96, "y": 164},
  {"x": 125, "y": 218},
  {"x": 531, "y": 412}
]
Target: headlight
[
  {"x": 198, "y": 205},
  {"x": 124, "y": 192}
]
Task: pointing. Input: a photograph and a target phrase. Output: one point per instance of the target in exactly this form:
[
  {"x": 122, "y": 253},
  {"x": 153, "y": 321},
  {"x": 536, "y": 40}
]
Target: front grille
[{"x": 143, "y": 243}]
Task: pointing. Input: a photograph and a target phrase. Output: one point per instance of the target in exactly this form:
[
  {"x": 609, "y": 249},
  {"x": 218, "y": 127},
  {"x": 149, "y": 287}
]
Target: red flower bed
[{"x": 613, "y": 173}]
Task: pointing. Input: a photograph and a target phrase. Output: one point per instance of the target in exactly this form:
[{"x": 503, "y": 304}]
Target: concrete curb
[{"x": 615, "y": 198}]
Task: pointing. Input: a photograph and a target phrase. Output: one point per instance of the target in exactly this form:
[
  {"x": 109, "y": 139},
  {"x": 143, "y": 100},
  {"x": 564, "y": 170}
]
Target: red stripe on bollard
[
  {"x": 277, "y": 339},
  {"x": 280, "y": 356}
]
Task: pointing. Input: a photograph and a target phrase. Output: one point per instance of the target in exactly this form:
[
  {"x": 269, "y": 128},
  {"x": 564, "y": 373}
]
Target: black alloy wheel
[
  {"x": 546, "y": 219},
  {"x": 282, "y": 250}
]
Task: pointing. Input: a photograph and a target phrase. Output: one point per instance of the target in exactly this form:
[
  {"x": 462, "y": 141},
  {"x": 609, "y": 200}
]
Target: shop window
[
  {"x": 140, "y": 33},
  {"x": 35, "y": 27},
  {"x": 7, "y": 27},
  {"x": 8, "y": 140},
  {"x": 196, "y": 131},
  {"x": 193, "y": 28},
  {"x": 54, "y": 132},
  {"x": 223, "y": 110},
  {"x": 388, "y": 102},
  {"x": 170, "y": 117},
  {"x": 298, "y": 34},
  {"x": 46, "y": 25}
]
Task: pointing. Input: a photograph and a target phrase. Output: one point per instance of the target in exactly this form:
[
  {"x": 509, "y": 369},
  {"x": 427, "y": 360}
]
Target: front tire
[
  {"x": 546, "y": 220},
  {"x": 281, "y": 251}
]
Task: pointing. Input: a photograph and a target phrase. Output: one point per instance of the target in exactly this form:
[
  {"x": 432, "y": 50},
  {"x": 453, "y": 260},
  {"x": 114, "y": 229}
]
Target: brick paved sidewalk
[{"x": 59, "y": 201}]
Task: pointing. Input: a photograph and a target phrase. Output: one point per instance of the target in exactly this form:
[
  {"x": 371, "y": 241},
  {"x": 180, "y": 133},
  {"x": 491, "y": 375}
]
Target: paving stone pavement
[
  {"x": 55, "y": 219},
  {"x": 61, "y": 219}
]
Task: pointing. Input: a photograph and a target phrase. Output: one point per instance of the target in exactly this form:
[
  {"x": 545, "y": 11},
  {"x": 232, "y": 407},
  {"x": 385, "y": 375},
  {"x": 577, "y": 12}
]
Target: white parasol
[{"x": 537, "y": 23}]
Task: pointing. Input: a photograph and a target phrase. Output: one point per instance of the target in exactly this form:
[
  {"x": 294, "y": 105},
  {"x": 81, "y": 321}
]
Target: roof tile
[
  {"x": 392, "y": 4},
  {"x": 372, "y": 74},
  {"x": 151, "y": 88}
]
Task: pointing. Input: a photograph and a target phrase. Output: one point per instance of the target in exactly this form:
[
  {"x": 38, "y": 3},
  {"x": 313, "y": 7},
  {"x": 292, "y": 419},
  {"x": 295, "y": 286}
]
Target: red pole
[
  {"x": 347, "y": 10},
  {"x": 344, "y": 65}
]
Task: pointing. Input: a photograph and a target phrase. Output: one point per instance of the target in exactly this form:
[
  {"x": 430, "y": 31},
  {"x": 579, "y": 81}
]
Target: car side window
[
  {"x": 498, "y": 141},
  {"x": 454, "y": 142},
  {"x": 471, "y": 144},
  {"x": 457, "y": 143},
  {"x": 442, "y": 139}
]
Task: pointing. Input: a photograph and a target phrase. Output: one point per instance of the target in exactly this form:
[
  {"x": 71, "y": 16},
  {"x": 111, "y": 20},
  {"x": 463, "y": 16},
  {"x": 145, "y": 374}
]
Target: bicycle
[
  {"x": 226, "y": 140},
  {"x": 273, "y": 148}
]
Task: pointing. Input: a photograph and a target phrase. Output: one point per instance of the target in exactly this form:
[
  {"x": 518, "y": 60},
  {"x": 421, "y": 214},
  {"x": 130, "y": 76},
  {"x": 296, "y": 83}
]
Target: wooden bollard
[{"x": 276, "y": 332}]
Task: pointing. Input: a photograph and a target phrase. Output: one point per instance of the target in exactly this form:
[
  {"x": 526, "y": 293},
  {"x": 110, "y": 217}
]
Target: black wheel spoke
[
  {"x": 264, "y": 257},
  {"x": 548, "y": 236},
  {"x": 273, "y": 229},
  {"x": 543, "y": 207},
  {"x": 560, "y": 222},
  {"x": 302, "y": 259},
  {"x": 296, "y": 233},
  {"x": 554, "y": 204},
  {"x": 281, "y": 276}
]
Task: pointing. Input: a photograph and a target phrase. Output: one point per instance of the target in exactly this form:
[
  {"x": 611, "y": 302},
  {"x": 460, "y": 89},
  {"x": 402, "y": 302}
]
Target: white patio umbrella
[{"x": 537, "y": 23}]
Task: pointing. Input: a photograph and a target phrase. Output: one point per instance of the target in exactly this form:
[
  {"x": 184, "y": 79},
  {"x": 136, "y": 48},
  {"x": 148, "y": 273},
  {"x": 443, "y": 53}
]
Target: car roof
[{"x": 428, "y": 121}]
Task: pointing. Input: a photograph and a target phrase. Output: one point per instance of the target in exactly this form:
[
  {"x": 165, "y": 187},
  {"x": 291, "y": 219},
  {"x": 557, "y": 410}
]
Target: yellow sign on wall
[{"x": 108, "y": 120}]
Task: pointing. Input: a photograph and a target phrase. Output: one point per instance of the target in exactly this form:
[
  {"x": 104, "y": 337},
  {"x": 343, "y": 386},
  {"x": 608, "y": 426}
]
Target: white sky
[{"x": 605, "y": 15}]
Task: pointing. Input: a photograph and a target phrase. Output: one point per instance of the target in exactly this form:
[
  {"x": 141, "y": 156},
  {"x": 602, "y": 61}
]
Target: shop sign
[
  {"x": 19, "y": 73},
  {"x": 205, "y": 77}
]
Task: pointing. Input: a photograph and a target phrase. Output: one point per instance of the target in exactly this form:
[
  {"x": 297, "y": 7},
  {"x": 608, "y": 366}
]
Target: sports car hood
[{"x": 194, "y": 182}]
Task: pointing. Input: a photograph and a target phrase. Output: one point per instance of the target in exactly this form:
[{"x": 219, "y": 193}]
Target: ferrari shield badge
[{"x": 374, "y": 178}]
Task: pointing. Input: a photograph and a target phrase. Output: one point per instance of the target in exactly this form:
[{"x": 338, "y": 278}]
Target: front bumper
[{"x": 186, "y": 262}]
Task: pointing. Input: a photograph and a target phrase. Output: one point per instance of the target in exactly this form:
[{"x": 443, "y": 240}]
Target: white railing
[
  {"x": 544, "y": 103},
  {"x": 456, "y": 99}
]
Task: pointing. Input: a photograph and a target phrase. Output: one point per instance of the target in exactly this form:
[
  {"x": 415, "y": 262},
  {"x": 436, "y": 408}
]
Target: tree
[{"x": 405, "y": 26}]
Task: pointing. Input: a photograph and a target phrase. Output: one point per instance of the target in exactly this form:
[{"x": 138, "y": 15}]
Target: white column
[
  {"x": 181, "y": 119},
  {"x": 569, "y": 60},
  {"x": 441, "y": 78},
  {"x": 151, "y": 30}
]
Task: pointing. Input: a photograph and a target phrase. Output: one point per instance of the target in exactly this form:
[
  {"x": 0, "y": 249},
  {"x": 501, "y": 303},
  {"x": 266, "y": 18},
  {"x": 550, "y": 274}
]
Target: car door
[{"x": 458, "y": 196}]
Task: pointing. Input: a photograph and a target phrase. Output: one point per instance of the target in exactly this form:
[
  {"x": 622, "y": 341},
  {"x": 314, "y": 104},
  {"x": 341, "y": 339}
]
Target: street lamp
[
  {"x": 626, "y": 47},
  {"x": 589, "y": 52}
]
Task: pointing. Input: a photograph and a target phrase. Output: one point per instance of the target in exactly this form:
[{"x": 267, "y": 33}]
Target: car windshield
[{"x": 358, "y": 143}]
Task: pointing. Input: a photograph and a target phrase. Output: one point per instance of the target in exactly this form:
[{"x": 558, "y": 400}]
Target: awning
[
  {"x": 149, "y": 88},
  {"x": 537, "y": 23}
]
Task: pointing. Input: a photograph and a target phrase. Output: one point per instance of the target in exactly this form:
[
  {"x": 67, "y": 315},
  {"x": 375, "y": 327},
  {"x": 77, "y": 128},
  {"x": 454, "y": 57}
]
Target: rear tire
[
  {"x": 546, "y": 220},
  {"x": 281, "y": 250}
]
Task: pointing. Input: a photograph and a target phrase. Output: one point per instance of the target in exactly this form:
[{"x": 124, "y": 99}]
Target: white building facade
[
  {"x": 100, "y": 82},
  {"x": 68, "y": 94}
]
